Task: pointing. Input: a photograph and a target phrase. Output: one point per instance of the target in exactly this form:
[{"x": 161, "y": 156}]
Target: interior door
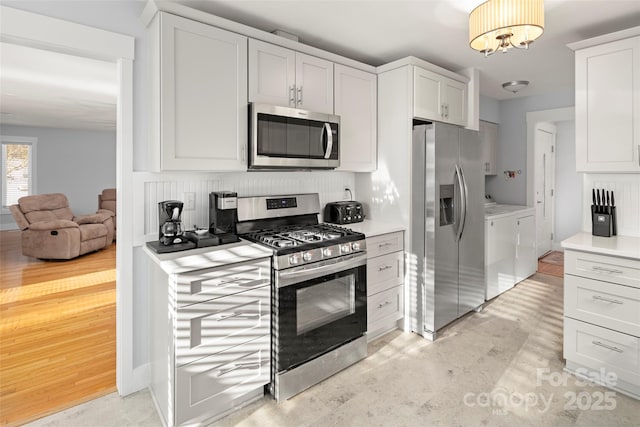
[{"x": 544, "y": 169}]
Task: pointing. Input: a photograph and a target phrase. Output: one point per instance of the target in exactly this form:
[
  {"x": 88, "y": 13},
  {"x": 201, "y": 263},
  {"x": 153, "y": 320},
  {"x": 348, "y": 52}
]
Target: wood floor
[
  {"x": 552, "y": 263},
  {"x": 57, "y": 331}
]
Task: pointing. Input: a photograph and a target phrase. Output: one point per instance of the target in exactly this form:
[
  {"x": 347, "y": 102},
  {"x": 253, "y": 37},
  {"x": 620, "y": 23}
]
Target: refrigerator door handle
[
  {"x": 465, "y": 203},
  {"x": 463, "y": 207}
]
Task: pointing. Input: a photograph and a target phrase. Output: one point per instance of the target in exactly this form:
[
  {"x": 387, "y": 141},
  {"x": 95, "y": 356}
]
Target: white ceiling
[{"x": 46, "y": 89}]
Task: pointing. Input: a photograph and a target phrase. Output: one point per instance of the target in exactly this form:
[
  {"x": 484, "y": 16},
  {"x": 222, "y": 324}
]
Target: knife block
[{"x": 603, "y": 224}]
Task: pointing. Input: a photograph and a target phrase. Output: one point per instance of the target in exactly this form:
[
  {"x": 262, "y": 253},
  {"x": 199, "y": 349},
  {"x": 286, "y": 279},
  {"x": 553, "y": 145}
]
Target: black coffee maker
[
  {"x": 171, "y": 231},
  {"x": 223, "y": 215}
]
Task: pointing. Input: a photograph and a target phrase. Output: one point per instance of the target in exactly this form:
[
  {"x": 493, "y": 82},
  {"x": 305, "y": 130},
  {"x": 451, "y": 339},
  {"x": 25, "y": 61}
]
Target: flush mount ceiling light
[
  {"x": 502, "y": 24},
  {"x": 515, "y": 85}
]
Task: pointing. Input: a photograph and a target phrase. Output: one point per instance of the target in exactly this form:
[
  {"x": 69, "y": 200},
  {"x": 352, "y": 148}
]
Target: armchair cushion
[{"x": 52, "y": 225}]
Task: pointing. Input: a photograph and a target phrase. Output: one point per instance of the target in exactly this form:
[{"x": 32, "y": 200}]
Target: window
[{"x": 18, "y": 171}]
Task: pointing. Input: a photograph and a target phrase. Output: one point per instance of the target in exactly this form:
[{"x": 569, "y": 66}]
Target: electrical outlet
[
  {"x": 189, "y": 201},
  {"x": 347, "y": 195}
]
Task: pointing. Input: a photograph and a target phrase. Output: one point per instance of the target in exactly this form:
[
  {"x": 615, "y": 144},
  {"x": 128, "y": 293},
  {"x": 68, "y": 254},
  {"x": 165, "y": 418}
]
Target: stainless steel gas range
[{"x": 319, "y": 295}]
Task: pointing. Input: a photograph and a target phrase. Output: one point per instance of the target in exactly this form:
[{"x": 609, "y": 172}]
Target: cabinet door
[
  {"x": 216, "y": 384},
  {"x": 356, "y": 103},
  {"x": 526, "y": 262},
  {"x": 314, "y": 79},
  {"x": 500, "y": 252},
  {"x": 203, "y": 96},
  {"x": 427, "y": 95},
  {"x": 489, "y": 141},
  {"x": 272, "y": 74},
  {"x": 608, "y": 107},
  {"x": 455, "y": 101}
]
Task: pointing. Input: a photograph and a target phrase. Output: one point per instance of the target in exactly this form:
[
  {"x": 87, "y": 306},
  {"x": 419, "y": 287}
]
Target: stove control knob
[
  {"x": 345, "y": 249},
  {"x": 327, "y": 252},
  {"x": 294, "y": 259},
  {"x": 355, "y": 246},
  {"x": 307, "y": 256}
]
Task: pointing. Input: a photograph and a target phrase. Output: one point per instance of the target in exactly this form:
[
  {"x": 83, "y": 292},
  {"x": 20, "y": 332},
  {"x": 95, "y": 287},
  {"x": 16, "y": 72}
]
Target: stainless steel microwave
[{"x": 289, "y": 138}]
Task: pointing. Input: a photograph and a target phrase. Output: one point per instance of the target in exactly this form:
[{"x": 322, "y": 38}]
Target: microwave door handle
[{"x": 327, "y": 129}]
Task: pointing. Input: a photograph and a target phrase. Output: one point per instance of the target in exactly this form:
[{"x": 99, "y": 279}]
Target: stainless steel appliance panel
[
  {"x": 444, "y": 267},
  {"x": 290, "y": 138},
  {"x": 471, "y": 246},
  {"x": 445, "y": 138}
]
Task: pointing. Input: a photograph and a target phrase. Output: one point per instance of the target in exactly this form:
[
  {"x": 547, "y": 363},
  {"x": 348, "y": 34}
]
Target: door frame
[
  {"x": 549, "y": 128},
  {"x": 533, "y": 118},
  {"x": 57, "y": 35}
]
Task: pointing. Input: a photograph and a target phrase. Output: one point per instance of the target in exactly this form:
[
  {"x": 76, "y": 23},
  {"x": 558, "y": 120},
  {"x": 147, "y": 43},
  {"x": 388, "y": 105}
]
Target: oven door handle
[{"x": 303, "y": 273}]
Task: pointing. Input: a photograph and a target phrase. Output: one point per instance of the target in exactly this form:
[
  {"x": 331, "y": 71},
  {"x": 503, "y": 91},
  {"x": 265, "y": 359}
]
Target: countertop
[
  {"x": 214, "y": 256},
  {"x": 620, "y": 246},
  {"x": 372, "y": 228},
  {"x": 496, "y": 211}
]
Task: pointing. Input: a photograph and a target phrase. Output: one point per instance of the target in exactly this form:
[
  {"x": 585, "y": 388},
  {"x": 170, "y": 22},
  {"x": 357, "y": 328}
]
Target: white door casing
[{"x": 545, "y": 135}]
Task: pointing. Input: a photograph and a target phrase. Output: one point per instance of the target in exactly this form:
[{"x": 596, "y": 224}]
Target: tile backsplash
[
  {"x": 627, "y": 195},
  {"x": 152, "y": 188}
]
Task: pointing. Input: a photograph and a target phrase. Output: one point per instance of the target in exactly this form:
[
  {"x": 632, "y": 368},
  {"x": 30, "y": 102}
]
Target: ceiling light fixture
[
  {"x": 515, "y": 85},
  {"x": 502, "y": 24}
]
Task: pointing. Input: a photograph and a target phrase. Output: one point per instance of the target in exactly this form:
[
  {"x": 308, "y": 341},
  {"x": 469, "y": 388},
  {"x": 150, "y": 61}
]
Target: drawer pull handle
[
  {"x": 383, "y": 268},
  {"x": 599, "y": 298},
  {"x": 385, "y": 304},
  {"x": 384, "y": 245},
  {"x": 609, "y": 347},
  {"x": 247, "y": 365},
  {"x": 606, "y": 270},
  {"x": 238, "y": 314}
]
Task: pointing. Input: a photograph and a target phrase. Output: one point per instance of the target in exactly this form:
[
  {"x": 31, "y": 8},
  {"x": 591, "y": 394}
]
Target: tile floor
[{"x": 500, "y": 367}]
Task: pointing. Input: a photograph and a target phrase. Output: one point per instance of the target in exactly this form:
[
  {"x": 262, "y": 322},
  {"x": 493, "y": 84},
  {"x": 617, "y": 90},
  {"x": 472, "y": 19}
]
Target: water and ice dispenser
[{"x": 447, "y": 215}]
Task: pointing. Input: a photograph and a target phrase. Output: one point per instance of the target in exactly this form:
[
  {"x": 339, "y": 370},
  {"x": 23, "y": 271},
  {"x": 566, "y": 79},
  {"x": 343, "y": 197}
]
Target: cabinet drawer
[
  {"x": 600, "y": 348},
  {"x": 215, "y": 325},
  {"x": 209, "y": 385},
  {"x": 384, "y": 272},
  {"x": 386, "y": 305},
  {"x": 603, "y": 267},
  {"x": 385, "y": 244},
  {"x": 605, "y": 304},
  {"x": 203, "y": 285}
]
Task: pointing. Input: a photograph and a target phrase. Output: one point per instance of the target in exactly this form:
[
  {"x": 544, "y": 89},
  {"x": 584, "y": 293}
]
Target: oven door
[{"x": 326, "y": 308}]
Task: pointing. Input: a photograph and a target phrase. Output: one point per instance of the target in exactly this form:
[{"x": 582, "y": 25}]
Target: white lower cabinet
[
  {"x": 385, "y": 278},
  {"x": 602, "y": 319},
  {"x": 510, "y": 252},
  {"x": 211, "y": 339}
]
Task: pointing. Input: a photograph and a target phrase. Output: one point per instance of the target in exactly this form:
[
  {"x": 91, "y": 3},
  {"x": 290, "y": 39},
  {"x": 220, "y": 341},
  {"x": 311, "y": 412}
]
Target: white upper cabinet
[
  {"x": 608, "y": 107},
  {"x": 200, "y": 96},
  {"x": 439, "y": 98},
  {"x": 280, "y": 76},
  {"x": 272, "y": 74},
  {"x": 356, "y": 104},
  {"x": 489, "y": 141}
]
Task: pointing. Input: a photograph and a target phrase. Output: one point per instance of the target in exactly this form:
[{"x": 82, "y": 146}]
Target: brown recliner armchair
[
  {"x": 107, "y": 204},
  {"x": 51, "y": 231}
]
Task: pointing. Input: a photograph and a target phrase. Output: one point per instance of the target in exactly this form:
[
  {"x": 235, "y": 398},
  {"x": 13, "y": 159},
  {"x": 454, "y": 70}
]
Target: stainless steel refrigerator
[{"x": 447, "y": 226}]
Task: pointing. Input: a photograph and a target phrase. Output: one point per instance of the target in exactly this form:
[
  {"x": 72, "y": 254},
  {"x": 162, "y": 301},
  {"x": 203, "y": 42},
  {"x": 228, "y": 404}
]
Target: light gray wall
[
  {"x": 489, "y": 109},
  {"x": 512, "y": 143},
  {"x": 78, "y": 163},
  {"x": 568, "y": 201}
]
